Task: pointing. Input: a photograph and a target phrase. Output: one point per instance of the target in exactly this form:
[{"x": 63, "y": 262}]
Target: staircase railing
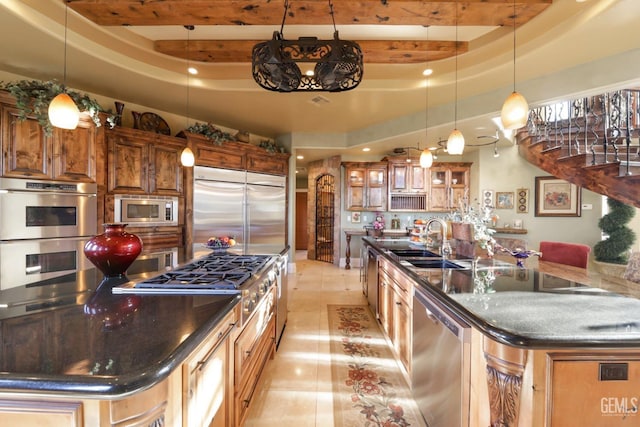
[{"x": 604, "y": 127}]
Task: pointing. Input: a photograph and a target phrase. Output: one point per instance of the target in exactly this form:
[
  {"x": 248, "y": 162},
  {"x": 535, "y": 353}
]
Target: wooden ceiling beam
[
  {"x": 374, "y": 51},
  {"x": 308, "y": 12}
]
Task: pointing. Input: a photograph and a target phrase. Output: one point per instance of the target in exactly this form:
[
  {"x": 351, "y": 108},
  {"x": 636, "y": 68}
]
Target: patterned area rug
[{"x": 368, "y": 387}]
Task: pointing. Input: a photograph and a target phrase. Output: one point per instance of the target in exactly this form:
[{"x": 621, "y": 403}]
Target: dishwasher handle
[{"x": 435, "y": 314}]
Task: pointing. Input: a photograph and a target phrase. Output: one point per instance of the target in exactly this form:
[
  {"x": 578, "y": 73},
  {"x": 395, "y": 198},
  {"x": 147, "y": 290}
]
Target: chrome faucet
[{"x": 443, "y": 228}]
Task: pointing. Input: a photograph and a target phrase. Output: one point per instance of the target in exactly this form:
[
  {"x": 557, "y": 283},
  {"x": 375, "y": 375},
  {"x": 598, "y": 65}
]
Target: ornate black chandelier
[{"x": 338, "y": 63}]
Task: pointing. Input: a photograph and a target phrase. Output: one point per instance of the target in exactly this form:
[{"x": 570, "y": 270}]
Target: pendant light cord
[
  {"x": 514, "y": 45},
  {"x": 455, "y": 111},
  {"x": 426, "y": 130},
  {"x": 64, "y": 67},
  {"x": 189, "y": 29}
]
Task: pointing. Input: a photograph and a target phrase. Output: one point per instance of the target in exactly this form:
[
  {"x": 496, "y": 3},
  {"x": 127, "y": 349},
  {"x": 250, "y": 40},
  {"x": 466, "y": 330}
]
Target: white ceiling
[{"x": 387, "y": 110}]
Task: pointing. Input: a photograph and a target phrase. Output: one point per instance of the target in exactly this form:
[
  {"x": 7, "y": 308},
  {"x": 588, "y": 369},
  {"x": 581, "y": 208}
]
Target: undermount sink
[
  {"x": 414, "y": 253},
  {"x": 432, "y": 263}
]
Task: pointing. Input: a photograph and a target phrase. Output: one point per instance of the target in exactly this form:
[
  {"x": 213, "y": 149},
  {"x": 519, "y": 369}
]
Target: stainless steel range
[{"x": 214, "y": 274}]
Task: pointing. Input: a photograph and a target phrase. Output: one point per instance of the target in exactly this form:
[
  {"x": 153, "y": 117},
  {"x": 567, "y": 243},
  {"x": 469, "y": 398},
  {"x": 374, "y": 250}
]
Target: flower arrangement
[
  {"x": 378, "y": 223},
  {"x": 480, "y": 218}
]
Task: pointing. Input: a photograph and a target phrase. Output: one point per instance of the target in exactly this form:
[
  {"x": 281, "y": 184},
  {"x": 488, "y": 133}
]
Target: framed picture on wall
[
  {"x": 504, "y": 200},
  {"x": 355, "y": 217},
  {"x": 557, "y": 197}
]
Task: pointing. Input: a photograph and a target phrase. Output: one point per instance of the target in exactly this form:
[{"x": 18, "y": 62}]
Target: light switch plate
[{"x": 587, "y": 206}]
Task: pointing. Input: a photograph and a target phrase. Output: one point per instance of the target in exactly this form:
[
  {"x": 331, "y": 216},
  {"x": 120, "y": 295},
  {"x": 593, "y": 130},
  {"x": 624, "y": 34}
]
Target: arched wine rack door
[{"x": 325, "y": 207}]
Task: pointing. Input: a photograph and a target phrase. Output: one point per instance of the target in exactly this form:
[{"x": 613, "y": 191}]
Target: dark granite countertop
[
  {"x": 72, "y": 337},
  {"x": 527, "y": 307}
]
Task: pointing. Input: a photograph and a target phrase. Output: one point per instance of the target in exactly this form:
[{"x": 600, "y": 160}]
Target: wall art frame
[
  {"x": 487, "y": 198},
  {"x": 522, "y": 200},
  {"x": 557, "y": 197},
  {"x": 504, "y": 199}
]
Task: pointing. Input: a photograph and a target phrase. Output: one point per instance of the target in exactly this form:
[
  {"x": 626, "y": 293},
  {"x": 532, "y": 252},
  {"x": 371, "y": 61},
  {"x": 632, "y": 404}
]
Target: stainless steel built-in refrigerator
[{"x": 249, "y": 206}]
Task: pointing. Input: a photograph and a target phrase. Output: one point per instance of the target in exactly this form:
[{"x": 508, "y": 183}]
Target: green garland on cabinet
[
  {"x": 34, "y": 96},
  {"x": 615, "y": 248},
  {"x": 210, "y": 132}
]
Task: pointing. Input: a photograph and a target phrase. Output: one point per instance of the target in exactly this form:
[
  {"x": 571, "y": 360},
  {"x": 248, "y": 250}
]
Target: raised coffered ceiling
[
  {"x": 387, "y": 110},
  {"x": 309, "y": 13}
]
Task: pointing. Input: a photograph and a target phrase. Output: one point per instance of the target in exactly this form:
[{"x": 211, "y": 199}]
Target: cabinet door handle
[{"x": 221, "y": 338}]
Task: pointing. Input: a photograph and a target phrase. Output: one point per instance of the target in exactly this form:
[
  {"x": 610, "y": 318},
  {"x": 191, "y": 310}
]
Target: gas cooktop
[{"x": 219, "y": 274}]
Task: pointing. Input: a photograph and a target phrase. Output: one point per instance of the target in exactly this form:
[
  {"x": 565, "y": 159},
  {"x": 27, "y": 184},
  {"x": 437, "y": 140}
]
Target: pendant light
[
  {"x": 515, "y": 110},
  {"x": 187, "y": 159},
  {"x": 63, "y": 112},
  {"x": 455, "y": 142},
  {"x": 426, "y": 157}
]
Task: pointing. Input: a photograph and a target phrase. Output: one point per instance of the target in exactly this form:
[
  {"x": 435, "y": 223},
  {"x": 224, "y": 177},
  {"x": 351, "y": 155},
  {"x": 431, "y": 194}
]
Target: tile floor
[{"x": 295, "y": 388}]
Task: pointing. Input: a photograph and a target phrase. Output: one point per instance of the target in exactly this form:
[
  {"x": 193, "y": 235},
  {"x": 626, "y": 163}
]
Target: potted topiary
[
  {"x": 612, "y": 254},
  {"x": 34, "y": 96}
]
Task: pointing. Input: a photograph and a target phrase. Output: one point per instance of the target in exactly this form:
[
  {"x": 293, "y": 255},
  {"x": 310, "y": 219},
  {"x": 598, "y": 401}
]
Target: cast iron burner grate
[{"x": 201, "y": 280}]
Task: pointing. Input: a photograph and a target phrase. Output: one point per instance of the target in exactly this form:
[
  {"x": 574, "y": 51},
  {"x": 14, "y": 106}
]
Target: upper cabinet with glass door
[
  {"x": 448, "y": 184},
  {"x": 366, "y": 186}
]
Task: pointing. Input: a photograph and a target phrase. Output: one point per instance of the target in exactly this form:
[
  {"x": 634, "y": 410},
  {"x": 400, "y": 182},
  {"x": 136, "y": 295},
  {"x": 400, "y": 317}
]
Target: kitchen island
[
  {"x": 76, "y": 354},
  {"x": 545, "y": 346}
]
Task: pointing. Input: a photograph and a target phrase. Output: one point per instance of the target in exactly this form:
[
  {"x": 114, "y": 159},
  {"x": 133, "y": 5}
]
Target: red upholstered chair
[{"x": 574, "y": 254}]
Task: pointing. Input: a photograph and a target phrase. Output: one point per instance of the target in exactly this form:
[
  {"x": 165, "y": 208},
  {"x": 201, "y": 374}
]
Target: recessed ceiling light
[
  {"x": 366, "y": 149},
  {"x": 427, "y": 72},
  {"x": 192, "y": 70},
  {"x": 299, "y": 157}
]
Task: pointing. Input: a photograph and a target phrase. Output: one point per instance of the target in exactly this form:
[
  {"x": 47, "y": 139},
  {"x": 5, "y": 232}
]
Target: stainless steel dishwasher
[
  {"x": 441, "y": 363},
  {"x": 370, "y": 287}
]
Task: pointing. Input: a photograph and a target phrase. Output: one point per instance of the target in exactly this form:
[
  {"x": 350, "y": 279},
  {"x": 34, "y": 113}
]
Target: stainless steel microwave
[{"x": 146, "y": 210}]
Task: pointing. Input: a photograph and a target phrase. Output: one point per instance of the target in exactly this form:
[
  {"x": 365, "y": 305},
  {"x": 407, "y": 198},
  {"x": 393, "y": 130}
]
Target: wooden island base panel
[{"x": 549, "y": 345}]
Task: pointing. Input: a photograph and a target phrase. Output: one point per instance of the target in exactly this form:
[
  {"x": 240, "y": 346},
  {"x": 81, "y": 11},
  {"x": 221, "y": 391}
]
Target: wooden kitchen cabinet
[
  {"x": 207, "y": 377},
  {"x": 406, "y": 177},
  {"x": 253, "y": 347},
  {"x": 236, "y": 155},
  {"x": 366, "y": 186},
  {"x": 27, "y": 152},
  {"x": 448, "y": 182},
  {"x": 140, "y": 162},
  {"x": 395, "y": 295},
  {"x": 407, "y": 185}
]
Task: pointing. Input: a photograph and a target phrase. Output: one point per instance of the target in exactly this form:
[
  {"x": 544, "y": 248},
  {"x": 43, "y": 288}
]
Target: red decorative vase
[{"x": 113, "y": 251}]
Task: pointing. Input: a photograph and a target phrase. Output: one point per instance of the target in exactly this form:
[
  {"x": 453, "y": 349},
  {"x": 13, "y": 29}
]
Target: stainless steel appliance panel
[
  {"x": 266, "y": 212},
  {"x": 371, "y": 280},
  {"x": 46, "y": 209},
  {"x": 440, "y": 364},
  {"x": 146, "y": 210},
  {"x": 224, "y": 199},
  {"x": 282, "y": 291},
  {"x": 218, "y": 211},
  {"x": 23, "y": 262}
]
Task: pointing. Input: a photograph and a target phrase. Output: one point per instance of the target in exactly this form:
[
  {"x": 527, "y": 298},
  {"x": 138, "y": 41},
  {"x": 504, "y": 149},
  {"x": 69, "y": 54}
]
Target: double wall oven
[{"x": 43, "y": 228}]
